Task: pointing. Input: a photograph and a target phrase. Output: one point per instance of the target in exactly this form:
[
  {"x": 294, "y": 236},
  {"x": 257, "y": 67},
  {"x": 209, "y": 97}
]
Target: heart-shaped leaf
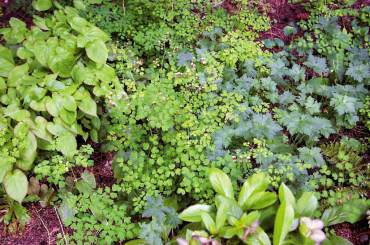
[
  {"x": 16, "y": 185},
  {"x": 97, "y": 51}
]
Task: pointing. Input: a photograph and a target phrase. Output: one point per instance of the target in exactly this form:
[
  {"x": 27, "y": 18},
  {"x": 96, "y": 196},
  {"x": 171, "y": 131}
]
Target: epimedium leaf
[
  {"x": 16, "y": 75},
  {"x": 283, "y": 221},
  {"x": 16, "y": 185},
  {"x": 42, "y": 5},
  {"x": 67, "y": 144},
  {"x": 88, "y": 106},
  {"x": 194, "y": 212},
  {"x": 221, "y": 183},
  {"x": 97, "y": 51},
  {"x": 28, "y": 156},
  {"x": 5, "y": 67},
  {"x": 5, "y": 167}
]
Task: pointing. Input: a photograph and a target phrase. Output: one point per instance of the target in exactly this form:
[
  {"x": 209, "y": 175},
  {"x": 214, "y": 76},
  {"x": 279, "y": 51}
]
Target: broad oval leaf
[
  {"x": 194, "y": 213},
  {"x": 88, "y": 106},
  {"x": 307, "y": 204},
  {"x": 42, "y": 5},
  {"x": 16, "y": 185},
  {"x": 283, "y": 221},
  {"x": 286, "y": 195},
  {"x": 209, "y": 223},
  {"x": 67, "y": 144},
  {"x": 255, "y": 183},
  {"x": 29, "y": 154},
  {"x": 258, "y": 238},
  {"x": 221, "y": 183},
  {"x": 5, "y": 167},
  {"x": 261, "y": 200},
  {"x": 97, "y": 51}
]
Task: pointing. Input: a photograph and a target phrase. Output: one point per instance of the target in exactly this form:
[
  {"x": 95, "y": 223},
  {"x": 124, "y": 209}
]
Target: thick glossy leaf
[
  {"x": 193, "y": 213},
  {"x": 67, "y": 144},
  {"x": 42, "y": 5},
  {"x": 97, "y": 51},
  {"x": 286, "y": 195},
  {"x": 283, "y": 222},
  {"x": 233, "y": 208},
  {"x": 88, "y": 106},
  {"x": 222, "y": 214},
  {"x": 221, "y": 183},
  {"x": 258, "y": 238},
  {"x": 256, "y": 183},
  {"x": 208, "y": 222},
  {"x": 307, "y": 204},
  {"x": 261, "y": 200},
  {"x": 16, "y": 185}
]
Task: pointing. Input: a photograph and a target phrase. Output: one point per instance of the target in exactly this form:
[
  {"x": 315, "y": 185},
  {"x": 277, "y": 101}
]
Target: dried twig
[
  {"x": 61, "y": 226},
  {"x": 46, "y": 228}
]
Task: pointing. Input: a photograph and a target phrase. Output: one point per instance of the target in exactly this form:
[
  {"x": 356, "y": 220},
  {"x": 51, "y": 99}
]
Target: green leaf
[
  {"x": 283, "y": 222},
  {"x": 258, "y": 238},
  {"x": 39, "y": 129},
  {"x": 351, "y": 211},
  {"x": 222, "y": 214},
  {"x": 88, "y": 106},
  {"x": 307, "y": 204},
  {"x": 221, "y": 183},
  {"x": 69, "y": 103},
  {"x": 17, "y": 74},
  {"x": 16, "y": 185},
  {"x": 286, "y": 195},
  {"x": 256, "y": 183},
  {"x": 87, "y": 184},
  {"x": 336, "y": 240},
  {"x": 261, "y": 200},
  {"x": 5, "y": 67},
  {"x": 336, "y": 62},
  {"x": 97, "y": 51},
  {"x": 193, "y": 213},
  {"x": 28, "y": 156},
  {"x": 5, "y": 167},
  {"x": 208, "y": 222},
  {"x": 55, "y": 129},
  {"x": 42, "y": 5},
  {"x": 67, "y": 144}
]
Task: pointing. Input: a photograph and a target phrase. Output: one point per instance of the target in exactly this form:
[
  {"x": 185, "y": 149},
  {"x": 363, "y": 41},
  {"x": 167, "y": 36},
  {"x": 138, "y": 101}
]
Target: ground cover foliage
[{"x": 218, "y": 136}]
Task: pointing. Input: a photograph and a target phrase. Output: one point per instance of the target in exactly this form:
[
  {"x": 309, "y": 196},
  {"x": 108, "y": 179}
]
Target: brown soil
[
  {"x": 41, "y": 230},
  {"x": 358, "y": 234}
]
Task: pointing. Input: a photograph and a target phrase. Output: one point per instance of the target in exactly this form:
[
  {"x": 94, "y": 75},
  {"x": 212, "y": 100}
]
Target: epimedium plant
[{"x": 52, "y": 78}]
